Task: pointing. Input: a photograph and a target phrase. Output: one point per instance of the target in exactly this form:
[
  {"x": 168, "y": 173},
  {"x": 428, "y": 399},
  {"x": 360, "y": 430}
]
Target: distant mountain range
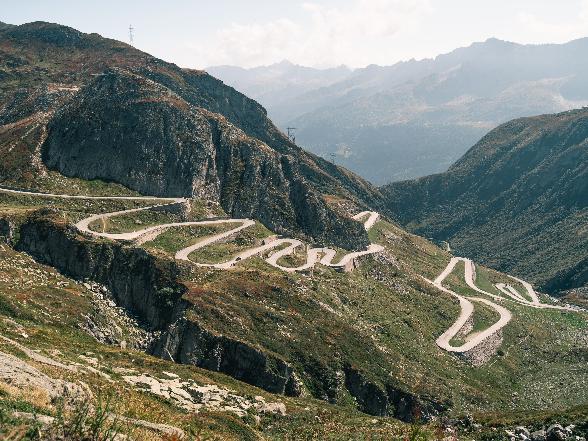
[
  {"x": 279, "y": 85},
  {"x": 415, "y": 118},
  {"x": 517, "y": 201}
]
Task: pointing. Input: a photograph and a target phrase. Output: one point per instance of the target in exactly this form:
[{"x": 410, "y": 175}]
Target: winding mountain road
[
  {"x": 467, "y": 307},
  {"x": 324, "y": 256},
  {"x": 467, "y": 310}
]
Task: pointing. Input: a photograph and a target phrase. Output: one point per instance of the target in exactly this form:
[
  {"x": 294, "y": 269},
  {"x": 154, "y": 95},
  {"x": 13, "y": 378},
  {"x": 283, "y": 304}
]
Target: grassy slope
[
  {"x": 382, "y": 318},
  {"x": 48, "y": 313}
]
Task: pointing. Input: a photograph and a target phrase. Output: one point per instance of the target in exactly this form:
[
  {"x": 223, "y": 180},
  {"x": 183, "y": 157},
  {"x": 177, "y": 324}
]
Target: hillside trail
[
  {"x": 467, "y": 307},
  {"x": 324, "y": 256}
]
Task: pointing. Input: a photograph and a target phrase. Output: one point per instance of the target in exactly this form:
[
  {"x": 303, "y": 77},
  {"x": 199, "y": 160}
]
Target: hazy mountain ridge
[
  {"x": 429, "y": 112},
  {"x": 279, "y": 85}
]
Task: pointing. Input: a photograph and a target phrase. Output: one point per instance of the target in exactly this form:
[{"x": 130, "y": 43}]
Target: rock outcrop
[
  {"x": 21, "y": 375},
  {"x": 388, "y": 399},
  {"x": 188, "y": 343},
  {"x": 148, "y": 288}
]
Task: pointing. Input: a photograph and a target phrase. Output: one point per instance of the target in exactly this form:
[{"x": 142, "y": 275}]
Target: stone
[
  {"x": 556, "y": 432},
  {"x": 21, "y": 375},
  {"x": 539, "y": 435}
]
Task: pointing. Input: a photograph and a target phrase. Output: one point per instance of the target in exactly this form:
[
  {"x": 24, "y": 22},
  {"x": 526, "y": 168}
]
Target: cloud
[
  {"x": 254, "y": 44},
  {"x": 353, "y": 35},
  {"x": 536, "y": 28}
]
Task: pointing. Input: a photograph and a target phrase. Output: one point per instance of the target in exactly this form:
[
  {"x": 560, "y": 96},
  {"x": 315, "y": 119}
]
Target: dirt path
[{"x": 314, "y": 256}]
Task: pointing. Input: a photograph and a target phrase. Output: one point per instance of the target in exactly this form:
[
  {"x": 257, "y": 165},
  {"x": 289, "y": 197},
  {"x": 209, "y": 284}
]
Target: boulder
[
  {"x": 539, "y": 435},
  {"x": 556, "y": 432},
  {"x": 522, "y": 432}
]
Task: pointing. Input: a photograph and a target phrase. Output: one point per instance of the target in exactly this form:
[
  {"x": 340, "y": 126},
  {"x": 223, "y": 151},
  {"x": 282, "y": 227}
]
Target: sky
[{"x": 317, "y": 33}]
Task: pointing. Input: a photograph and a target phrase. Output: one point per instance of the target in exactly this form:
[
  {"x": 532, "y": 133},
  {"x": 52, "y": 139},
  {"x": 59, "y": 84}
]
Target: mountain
[
  {"x": 59, "y": 86},
  {"x": 517, "y": 200},
  {"x": 277, "y": 86},
  {"x": 121, "y": 311},
  {"x": 414, "y": 118}
]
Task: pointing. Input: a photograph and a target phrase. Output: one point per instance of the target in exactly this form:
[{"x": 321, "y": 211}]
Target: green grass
[
  {"x": 138, "y": 220},
  {"x": 72, "y": 210},
  {"x": 177, "y": 238},
  {"x": 56, "y": 183},
  {"x": 221, "y": 252}
]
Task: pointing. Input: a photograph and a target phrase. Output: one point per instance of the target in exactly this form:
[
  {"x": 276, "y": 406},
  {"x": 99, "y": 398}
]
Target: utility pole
[
  {"x": 291, "y": 135},
  {"x": 131, "y": 29}
]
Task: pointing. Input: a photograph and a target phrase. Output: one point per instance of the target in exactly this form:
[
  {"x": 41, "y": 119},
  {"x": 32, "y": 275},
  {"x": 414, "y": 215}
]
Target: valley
[{"x": 173, "y": 266}]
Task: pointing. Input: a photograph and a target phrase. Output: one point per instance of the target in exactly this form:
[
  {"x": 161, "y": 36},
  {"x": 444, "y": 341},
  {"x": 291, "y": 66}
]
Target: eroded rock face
[
  {"x": 389, "y": 400},
  {"x": 188, "y": 343},
  {"x": 126, "y": 128},
  {"x": 148, "y": 288},
  {"x": 6, "y": 230},
  {"x": 142, "y": 284},
  {"x": 22, "y": 375}
]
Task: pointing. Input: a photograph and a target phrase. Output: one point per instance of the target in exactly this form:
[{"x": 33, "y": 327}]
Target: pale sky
[{"x": 318, "y": 33}]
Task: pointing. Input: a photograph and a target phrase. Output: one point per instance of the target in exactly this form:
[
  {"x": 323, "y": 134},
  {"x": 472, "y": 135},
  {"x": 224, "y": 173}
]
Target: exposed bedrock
[
  {"x": 387, "y": 399},
  {"x": 141, "y": 283},
  {"x": 125, "y": 128}
]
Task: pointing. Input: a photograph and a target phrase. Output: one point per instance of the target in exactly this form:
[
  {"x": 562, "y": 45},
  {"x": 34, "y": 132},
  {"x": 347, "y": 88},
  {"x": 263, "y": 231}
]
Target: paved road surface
[{"x": 314, "y": 256}]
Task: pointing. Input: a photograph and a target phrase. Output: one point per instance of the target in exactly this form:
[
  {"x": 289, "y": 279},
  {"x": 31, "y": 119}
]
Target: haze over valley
[{"x": 414, "y": 118}]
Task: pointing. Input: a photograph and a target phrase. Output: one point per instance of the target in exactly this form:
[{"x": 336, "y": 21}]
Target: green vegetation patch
[{"x": 222, "y": 251}]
